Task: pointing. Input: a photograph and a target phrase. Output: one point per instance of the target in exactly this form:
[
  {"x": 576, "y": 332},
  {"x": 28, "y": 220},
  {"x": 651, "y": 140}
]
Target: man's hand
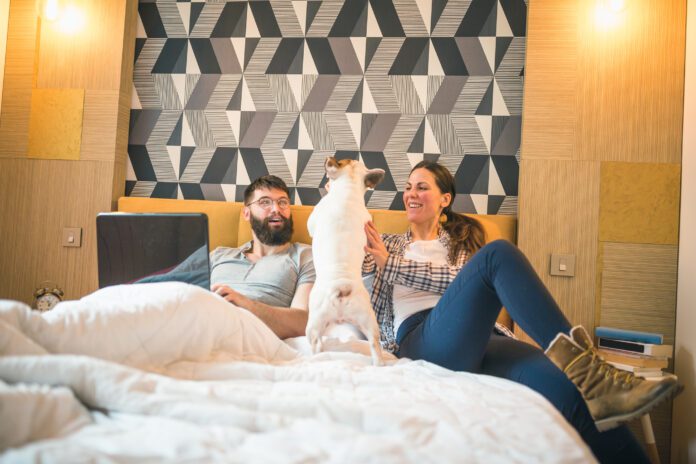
[
  {"x": 375, "y": 246},
  {"x": 232, "y": 296},
  {"x": 284, "y": 322}
]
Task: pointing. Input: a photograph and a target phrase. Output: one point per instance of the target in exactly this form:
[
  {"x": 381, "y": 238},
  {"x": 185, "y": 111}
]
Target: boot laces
[{"x": 610, "y": 372}]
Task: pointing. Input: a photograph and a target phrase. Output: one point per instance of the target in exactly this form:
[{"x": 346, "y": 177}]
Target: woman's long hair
[{"x": 465, "y": 233}]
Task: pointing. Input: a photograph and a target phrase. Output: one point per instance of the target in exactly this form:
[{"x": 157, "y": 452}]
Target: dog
[{"x": 338, "y": 247}]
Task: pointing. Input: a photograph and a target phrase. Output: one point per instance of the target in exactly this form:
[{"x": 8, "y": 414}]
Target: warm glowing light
[
  {"x": 51, "y": 10},
  {"x": 608, "y": 13},
  {"x": 71, "y": 21}
]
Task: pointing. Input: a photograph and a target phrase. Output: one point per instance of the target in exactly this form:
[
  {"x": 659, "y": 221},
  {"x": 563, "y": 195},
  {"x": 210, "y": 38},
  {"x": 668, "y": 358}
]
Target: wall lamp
[
  {"x": 66, "y": 18},
  {"x": 609, "y": 13}
]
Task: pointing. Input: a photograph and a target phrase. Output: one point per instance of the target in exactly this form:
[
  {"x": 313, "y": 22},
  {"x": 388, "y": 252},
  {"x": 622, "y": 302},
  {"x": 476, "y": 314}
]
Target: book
[
  {"x": 652, "y": 371},
  {"x": 635, "y": 347},
  {"x": 634, "y": 359},
  {"x": 629, "y": 335}
]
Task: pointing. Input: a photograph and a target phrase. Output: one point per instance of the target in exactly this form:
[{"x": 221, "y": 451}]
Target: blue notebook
[{"x": 628, "y": 335}]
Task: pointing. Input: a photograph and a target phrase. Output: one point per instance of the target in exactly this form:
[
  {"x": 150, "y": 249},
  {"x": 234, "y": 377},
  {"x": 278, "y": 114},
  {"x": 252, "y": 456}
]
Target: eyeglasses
[{"x": 267, "y": 203}]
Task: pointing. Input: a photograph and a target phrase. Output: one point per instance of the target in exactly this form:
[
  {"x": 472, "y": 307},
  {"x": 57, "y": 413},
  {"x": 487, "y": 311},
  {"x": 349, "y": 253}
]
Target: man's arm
[{"x": 284, "y": 322}]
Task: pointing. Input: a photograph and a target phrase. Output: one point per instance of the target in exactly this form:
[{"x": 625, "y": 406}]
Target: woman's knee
[{"x": 499, "y": 246}]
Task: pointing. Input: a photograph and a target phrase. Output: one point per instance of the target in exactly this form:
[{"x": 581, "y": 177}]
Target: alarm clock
[{"x": 47, "y": 296}]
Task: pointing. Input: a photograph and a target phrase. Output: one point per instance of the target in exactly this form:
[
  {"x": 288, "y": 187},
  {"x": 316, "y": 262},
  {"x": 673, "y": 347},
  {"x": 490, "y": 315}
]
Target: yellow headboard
[{"x": 228, "y": 228}]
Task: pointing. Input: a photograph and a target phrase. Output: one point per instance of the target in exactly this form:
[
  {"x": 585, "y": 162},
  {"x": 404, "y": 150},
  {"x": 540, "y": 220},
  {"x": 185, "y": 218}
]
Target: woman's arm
[{"x": 424, "y": 276}]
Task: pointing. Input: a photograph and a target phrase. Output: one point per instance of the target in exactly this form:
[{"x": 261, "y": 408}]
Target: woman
[{"x": 438, "y": 291}]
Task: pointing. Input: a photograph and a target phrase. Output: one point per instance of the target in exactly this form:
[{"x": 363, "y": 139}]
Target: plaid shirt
[{"x": 424, "y": 276}]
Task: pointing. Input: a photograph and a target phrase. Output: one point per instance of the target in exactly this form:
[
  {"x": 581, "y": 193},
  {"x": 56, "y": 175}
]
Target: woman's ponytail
[{"x": 465, "y": 233}]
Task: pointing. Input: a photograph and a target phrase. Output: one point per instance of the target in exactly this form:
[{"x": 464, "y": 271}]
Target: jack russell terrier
[{"x": 337, "y": 227}]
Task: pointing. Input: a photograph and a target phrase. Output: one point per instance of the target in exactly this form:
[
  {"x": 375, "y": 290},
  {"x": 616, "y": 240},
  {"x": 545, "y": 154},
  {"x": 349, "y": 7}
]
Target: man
[{"x": 269, "y": 276}]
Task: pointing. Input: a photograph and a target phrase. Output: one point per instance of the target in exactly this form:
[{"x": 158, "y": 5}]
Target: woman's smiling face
[{"x": 423, "y": 199}]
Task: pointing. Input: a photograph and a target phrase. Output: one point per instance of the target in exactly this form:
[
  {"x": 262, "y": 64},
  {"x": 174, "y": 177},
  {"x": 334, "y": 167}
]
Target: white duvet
[{"x": 170, "y": 372}]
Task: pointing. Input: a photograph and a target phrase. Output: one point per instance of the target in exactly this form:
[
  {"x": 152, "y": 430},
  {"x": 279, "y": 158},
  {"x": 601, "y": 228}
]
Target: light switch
[
  {"x": 562, "y": 265},
  {"x": 72, "y": 236}
]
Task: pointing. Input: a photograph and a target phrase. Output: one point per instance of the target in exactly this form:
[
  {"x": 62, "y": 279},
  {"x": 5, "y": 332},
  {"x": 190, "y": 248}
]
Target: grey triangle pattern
[
  {"x": 343, "y": 93},
  {"x": 171, "y": 20},
  {"x": 198, "y": 123},
  {"x": 509, "y": 206},
  {"x": 318, "y": 131},
  {"x": 406, "y": 95},
  {"x": 169, "y": 99},
  {"x": 278, "y": 134},
  {"x": 411, "y": 19},
  {"x": 468, "y": 134},
  {"x": 314, "y": 171},
  {"x": 143, "y": 188},
  {"x": 258, "y": 114},
  {"x": 142, "y": 78},
  {"x": 471, "y": 95},
  {"x": 382, "y": 93},
  {"x": 282, "y": 93},
  {"x": 340, "y": 131},
  {"x": 451, "y": 18},
  {"x": 325, "y": 19},
  {"x": 207, "y": 20},
  {"x": 265, "y": 50},
  {"x": 190, "y": 83},
  {"x": 445, "y": 133},
  {"x": 223, "y": 92},
  {"x": 287, "y": 19},
  {"x": 381, "y": 199},
  {"x": 197, "y": 165},
  {"x": 157, "y": 149},
  {"x": 277, "y": 165},
  {"x": 220, "y": 128},
  {"x": 260, "y": 90}
]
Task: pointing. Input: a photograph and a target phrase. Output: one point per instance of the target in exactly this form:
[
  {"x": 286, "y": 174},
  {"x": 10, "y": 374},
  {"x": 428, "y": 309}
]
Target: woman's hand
[{"x": 375, "y": 246}]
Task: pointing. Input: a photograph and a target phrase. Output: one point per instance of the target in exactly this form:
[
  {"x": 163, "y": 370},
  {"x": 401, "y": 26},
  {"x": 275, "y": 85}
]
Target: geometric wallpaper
[{"x": 226, "y": 91}]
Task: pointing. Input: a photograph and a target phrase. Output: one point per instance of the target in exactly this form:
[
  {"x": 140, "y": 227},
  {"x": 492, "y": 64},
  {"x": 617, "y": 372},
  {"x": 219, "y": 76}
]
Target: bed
[{"x": 167, "y": 372}]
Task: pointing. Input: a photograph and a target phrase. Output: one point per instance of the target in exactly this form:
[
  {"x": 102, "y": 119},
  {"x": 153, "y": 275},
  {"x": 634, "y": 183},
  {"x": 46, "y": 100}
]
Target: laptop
[{"x": 153, "y": 247}]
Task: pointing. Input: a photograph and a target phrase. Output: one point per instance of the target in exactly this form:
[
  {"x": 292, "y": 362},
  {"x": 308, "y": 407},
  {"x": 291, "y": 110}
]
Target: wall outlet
[
  {"x": 72, "y": 236},
  {"x": 562, "y": 265}
]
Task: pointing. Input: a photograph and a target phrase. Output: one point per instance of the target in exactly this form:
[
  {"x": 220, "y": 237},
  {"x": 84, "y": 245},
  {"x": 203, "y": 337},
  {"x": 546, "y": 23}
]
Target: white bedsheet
[{"x": 167, "y": 371}]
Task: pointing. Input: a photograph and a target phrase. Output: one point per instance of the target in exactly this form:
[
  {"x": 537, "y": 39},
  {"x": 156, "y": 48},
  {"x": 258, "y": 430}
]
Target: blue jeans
[{"x": 458, "y": 334}]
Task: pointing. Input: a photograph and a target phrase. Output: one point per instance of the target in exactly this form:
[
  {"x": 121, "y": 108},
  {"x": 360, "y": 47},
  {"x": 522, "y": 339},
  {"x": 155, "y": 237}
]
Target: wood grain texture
[
  {"x": 558, "y": 214},
  {"x": 639, "y": 283},
  {"x": 638, "y": 292},
  {"x": 100, "y": 124},
  {"x": 17, "y": 86},
  {"x": 551, "y": 73},
  {"x": 89, "y": 59},
  {"x": 631, "y": 82},
  {"x": 40, "y": 197},
  {"x": 639, "y": 203}
]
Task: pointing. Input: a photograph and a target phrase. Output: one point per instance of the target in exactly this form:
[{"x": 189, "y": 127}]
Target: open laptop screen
[{"x": 152, "y": 247}]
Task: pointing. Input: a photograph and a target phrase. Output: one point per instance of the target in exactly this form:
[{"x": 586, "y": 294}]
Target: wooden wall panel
[
  {"x": 34, "y": 212},
  {"x": 90, "y": 59},
  {"x": 560, "y": 198},
  {"x": 630, "y": 83},
  {"x": 638, "y": 292},
  {"x": 19, "y": 74},
  {"x": 100, "y": 122},
  {"x": 549, "y": 115}
]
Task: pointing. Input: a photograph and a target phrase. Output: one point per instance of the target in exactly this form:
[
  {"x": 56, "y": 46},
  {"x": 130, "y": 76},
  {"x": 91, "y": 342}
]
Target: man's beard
[{"x": 272, "y": 236}]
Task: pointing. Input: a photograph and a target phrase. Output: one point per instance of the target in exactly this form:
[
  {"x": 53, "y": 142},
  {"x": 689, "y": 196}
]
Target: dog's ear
[
  {"x": 373, "y": 177},
  {"x": 331, "y": 166}
]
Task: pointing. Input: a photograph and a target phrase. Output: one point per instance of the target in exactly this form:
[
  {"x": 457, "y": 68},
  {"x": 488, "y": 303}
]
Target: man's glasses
[{"x": 267, "y": 203}]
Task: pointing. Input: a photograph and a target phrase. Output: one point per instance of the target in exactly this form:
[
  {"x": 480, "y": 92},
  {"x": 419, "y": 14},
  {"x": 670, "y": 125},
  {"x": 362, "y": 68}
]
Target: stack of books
[{"x": 642, "y": 353}]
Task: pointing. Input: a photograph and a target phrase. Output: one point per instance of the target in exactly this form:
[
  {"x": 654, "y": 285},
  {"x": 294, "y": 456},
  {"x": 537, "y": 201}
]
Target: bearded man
[{"x": 269, "y": 276}]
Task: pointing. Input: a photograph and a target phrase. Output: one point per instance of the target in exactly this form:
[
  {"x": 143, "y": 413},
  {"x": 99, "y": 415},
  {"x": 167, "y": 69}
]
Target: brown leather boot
[{"x": 613, "y": 396}]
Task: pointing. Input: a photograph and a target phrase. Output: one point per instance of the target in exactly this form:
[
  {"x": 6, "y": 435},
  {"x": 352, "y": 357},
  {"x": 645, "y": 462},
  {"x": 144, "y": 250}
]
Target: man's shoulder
[{"x": 223, "y": 252}]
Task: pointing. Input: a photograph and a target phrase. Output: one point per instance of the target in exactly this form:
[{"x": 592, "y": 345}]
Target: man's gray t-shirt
[{"x": 272, "y": 279}]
